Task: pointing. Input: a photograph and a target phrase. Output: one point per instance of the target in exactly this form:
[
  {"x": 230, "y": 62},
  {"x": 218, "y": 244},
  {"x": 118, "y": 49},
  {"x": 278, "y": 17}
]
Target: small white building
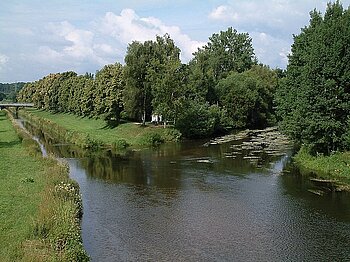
[{"x": 157, "y": 119}]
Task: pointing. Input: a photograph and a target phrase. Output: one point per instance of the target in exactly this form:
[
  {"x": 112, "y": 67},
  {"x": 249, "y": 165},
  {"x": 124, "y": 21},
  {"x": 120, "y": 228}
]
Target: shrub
[
  {"x": 172, "y": 135},
  {"x": 201, "y": 120},
  {"x": 120, "y": 144},
  {"x": 153, "y": 139}
]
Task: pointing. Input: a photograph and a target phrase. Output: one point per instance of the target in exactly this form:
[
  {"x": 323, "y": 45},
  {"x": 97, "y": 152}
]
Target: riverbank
[
  {"x": 335, "y": 167},
  {"x": 40, "y": 206},
  {"x": 89, "y": 132}
]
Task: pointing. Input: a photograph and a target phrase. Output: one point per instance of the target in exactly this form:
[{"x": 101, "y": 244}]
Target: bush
[
  {"x": 153, "y": 139},
  {"x": 172, "y": 135},
  {"x": 120, "y": 144},
  {"x": 201, "y": 120}
]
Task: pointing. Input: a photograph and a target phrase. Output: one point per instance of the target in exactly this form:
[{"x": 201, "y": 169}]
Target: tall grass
[
  {"x": 41, "y": 206},
  {"x": 335, "y": 166}
]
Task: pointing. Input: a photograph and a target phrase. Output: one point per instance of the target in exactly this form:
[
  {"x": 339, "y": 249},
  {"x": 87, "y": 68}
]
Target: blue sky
[{"x": 41, "y": 37}]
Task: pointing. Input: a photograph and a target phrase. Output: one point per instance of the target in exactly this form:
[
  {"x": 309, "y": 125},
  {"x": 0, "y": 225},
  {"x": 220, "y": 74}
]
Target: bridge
[{"x": 15, "y": 105}]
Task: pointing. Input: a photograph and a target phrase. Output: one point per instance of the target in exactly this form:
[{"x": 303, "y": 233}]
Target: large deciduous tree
[
  {"x": 248, "y": 97},
  {"x": 109, "y": 86},
  {"x": 314, "y": 101},
  {"x": 149, "y": 76},
  {"x": 225, "y": 52}
]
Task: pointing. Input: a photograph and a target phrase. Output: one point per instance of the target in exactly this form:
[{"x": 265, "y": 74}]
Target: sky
[{"x": 41, "y": 37}]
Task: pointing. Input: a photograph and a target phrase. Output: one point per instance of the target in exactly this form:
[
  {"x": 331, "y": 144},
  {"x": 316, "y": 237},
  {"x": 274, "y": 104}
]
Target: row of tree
[{"x": 221, "y": 88}]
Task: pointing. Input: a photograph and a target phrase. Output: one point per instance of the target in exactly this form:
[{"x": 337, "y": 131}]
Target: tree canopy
[
  {"x": 313, "y": 101},
  {"x": 225, "y": 52},
  {"x": 148, "y": 75},
  {"x": 220, "y": 89}
]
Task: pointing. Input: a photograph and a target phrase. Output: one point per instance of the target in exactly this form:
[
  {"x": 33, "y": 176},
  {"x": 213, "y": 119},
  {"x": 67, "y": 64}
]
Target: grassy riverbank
[
  {"x": 40, "y": 205},
  {"x": 89, "y": 132},
  {"x": 335, "y": 167}
]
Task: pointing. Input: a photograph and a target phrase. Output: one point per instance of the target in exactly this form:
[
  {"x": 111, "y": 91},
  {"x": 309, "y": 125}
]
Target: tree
[
  {"x": 2, "y": 96},
  {"x": 108, "y": 101},
  {"x": 248, "y": 97},
  {"x": 166, "y": 75},
  {"x": 148, "y": 75},
  {"x": 313, "y": 101},
  {"x": 198, "y": 119},
  {"x": 225, "y": 52},
  {"x": 138, "y": 90}
]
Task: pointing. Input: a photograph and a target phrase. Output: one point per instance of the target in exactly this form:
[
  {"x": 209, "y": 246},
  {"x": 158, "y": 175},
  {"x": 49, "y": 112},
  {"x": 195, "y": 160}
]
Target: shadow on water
[{"x": 333, "y": 204}]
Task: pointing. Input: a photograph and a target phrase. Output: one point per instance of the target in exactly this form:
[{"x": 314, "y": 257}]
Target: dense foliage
[
  {"x": 314, "y": 99},
  {"x": 82, "y": 95},
  {"x": 220, "y": 89},
  {"x": 2, "y": 96},
  {"x": 150, "y": 75},
  {"x": 248, "y": 97}
]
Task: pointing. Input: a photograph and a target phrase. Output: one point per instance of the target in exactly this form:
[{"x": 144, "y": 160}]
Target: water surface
[{"x": 197, "y": 201}]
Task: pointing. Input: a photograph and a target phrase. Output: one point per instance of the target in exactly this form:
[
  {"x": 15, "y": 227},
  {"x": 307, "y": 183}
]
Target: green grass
[
  {"x": 19, "y": 200},
  {"x": 132, "y": 133},
  {"x": 335, "y": 166},
  {"x": 35, "y": 214}
]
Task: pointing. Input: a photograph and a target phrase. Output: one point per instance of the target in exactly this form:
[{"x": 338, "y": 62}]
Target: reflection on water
[{"x": 200, "y": 202}]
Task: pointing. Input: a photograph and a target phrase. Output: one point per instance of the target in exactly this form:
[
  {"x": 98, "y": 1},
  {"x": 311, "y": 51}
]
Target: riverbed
[{"x": 233, "y": 199}]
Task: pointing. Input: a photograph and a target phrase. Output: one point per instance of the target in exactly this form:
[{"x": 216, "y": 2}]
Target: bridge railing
[{"x": 3, "y": 105}]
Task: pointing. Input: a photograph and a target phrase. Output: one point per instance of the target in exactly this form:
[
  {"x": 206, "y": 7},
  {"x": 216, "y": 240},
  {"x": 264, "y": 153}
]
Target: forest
[{"x": 224, "y": 87}]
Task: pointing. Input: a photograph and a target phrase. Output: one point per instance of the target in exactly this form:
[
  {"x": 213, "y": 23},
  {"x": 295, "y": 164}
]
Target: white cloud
[
  {"x": 270, "y": 23},
  {"x": 72, "y": 47},
  {"x": 270, "y": 50},
  {"x": 68, "y": 47},
  {"x": 79, "y": 42},
  {"x": 128, "y": 27},
  {"x": 46, "y": 54},
  {"x": 3, "y": 60},
  {"x": 276, "y": 16},
  {"x": 224, "y": 12}
]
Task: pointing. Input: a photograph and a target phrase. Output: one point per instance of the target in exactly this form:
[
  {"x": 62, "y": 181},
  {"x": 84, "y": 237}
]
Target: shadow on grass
[
  {"x": 114, "y": 124},
  {"x": 9, "y": 144}
]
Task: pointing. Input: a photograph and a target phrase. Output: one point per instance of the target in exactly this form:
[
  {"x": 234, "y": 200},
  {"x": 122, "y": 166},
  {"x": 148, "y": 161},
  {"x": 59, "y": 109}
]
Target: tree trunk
[{"x": 144, "y": 110}]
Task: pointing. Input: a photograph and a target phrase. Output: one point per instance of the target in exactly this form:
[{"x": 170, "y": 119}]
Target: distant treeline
[
  {"x": 9, "y": 88},
  {"x": 9, "y": 91},
  {"x": 221, "y": 88}
]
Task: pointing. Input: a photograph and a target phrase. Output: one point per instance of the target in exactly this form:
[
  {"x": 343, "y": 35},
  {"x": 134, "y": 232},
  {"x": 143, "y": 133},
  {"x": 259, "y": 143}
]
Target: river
[{"x": 203, "y": 201}]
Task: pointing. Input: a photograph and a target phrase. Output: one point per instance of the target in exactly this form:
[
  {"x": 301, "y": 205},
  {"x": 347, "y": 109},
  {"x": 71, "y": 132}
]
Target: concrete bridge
[{"x": 16, "y": 106}]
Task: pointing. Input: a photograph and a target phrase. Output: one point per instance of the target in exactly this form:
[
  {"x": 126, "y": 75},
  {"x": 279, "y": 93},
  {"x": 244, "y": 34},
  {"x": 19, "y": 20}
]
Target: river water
[{"x": 200, "y": 201}]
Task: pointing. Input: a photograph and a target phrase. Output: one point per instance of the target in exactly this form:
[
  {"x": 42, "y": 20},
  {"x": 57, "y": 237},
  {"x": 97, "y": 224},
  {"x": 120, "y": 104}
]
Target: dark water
[{"x": 189, "y": 202}]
